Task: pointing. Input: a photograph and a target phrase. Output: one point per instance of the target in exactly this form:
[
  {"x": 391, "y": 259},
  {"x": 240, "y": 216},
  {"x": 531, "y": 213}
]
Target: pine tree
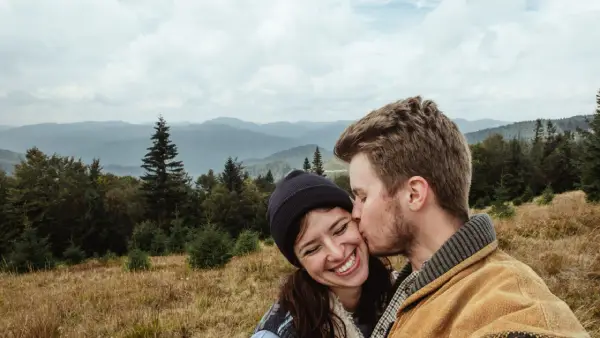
[
  {"x": 590, "y": 176},
  {"x": 317, "y": 164},
  {"x": 30, "y": 252},
  {"x": 306, "y": 165},
  {"x": 164, "y": 181},
  {"x": 269, "y": 177},
  {"x": 232, "y": 176},
  {"x": 536, "y": 156},
  {"x": 538, "y": 132},
  {"x": 206, "y": 182}
]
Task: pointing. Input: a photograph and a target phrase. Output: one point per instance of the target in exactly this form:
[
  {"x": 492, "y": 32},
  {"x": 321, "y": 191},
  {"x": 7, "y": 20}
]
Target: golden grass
[{"x": 561, "y": 242}]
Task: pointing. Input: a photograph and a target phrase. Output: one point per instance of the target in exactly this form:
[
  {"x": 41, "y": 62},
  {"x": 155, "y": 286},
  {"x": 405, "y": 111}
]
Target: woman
[{"x": 338, "y": 290}]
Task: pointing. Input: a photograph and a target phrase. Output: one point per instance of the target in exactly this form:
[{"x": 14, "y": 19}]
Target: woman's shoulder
[
  {"x": 275, "y": 323},
  {"x": 264, "y": 334}
]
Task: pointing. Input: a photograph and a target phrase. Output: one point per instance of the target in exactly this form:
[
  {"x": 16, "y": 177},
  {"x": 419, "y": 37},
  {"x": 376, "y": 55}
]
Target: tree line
[{"x": 56, "y": 209}]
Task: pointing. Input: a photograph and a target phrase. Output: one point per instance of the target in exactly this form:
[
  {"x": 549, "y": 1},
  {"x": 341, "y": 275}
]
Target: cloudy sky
[{"x": 267, "y": 60}]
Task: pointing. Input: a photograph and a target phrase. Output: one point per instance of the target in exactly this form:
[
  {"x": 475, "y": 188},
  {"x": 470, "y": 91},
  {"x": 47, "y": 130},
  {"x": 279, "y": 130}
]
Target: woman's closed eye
[
  {"x": 341, "y": 230},
  {"x": 311, "y": 250}
]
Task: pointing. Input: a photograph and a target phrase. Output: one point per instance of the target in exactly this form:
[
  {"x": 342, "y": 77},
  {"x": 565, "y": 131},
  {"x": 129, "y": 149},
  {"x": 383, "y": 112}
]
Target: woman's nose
[{"x": 336, "y": 252}]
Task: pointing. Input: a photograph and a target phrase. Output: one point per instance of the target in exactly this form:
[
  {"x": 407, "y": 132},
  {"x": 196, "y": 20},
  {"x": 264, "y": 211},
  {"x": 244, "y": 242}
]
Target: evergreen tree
[
  {"x": 5, "y": 227},
  {"x": 514, "y": 171},
  {"x": 232, "y": 176},
  {"x": 590, "y": 176},
  {"x": 306, "y": 165},
  {"x": 30, "y": 252},
  {"x": 538, "y": 132},
  {"x": 317, "y": 164},
  {"x": 164, "y": 181},
  {"x": 536, "y": 156},
  {"x": 206, "y": 182},
  {"x": 269, "y": 177}
]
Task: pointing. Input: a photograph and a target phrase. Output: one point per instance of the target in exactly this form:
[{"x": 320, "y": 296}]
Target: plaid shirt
[{"x": 403, "y": 290}]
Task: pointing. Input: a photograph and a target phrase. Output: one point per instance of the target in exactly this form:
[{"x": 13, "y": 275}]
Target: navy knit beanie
[{"x": 295, "y": 195}]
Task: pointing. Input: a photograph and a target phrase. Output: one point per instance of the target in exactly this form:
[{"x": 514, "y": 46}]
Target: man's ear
[{"x": 417, "y": 189}]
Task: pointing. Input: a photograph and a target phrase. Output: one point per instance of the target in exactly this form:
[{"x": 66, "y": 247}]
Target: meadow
[{"x": 98, "y": 298}]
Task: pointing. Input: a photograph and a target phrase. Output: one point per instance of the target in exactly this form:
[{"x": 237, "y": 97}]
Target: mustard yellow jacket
[{"x": 487, "y": 293}]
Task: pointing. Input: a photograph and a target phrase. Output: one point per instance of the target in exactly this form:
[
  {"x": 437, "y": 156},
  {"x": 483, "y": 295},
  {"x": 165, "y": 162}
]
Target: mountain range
[{"x": 278, "y": 146}]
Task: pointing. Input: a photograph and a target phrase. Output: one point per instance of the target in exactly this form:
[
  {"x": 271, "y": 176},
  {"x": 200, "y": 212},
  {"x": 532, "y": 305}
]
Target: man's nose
[{"x": 356, "y": 211}]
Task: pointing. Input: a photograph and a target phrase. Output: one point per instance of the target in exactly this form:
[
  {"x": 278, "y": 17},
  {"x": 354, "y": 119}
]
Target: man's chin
[{"x": 382, "y": 252}]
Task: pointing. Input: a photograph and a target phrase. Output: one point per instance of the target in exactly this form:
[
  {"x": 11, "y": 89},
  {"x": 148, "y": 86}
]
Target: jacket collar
[{"x": 472, "y": 242}]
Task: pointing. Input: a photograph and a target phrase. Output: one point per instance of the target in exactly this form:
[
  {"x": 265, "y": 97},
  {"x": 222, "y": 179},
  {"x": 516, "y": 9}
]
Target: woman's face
[{"x": 332, "y": 250}]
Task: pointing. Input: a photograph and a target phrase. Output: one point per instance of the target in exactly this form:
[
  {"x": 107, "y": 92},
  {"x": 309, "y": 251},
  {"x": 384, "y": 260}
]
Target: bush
[
  {"x": 209, "y": 249},
  {"x": 502, "y": 210},
  {"x": 179, "y": 237},
  {"x": 73, "y": 254},
  {"x": 517, "y": 201},
  {"x": 138, "y": 260},
  {"x": 246, "y": 242},
  {"x": 107, "y": 257},
  {"x": 527, "y": 195},
  {"x": 142, "y": 236},
  {"x": 158, "y": 244},
  {"x": 269, "y": 241},
  {"x": 479, "y": 204},
  {"x": 30, "y": 253},
  {"x": 547, "y": 196}
]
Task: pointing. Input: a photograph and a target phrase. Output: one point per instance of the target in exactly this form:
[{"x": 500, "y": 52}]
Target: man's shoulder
[
  {"x": 503, "y": 267},
  {"x": 516, "y": 295}
]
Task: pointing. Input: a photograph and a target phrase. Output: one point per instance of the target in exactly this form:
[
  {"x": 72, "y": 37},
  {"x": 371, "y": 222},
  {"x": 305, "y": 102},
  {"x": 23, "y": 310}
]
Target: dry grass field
[{"x": 560, "y": 241}]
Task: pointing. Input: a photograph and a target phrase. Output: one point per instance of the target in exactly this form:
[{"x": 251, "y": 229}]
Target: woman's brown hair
[{"x": 308, "y": 301}]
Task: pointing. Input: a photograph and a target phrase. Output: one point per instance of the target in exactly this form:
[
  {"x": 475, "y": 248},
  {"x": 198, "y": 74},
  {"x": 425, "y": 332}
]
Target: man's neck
[
  {"x": 435, "y": 230},
  {"x": 349, "y": 297}
]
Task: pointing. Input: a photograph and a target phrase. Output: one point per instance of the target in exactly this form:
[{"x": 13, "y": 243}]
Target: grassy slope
[{"x": 561, "y": 242}]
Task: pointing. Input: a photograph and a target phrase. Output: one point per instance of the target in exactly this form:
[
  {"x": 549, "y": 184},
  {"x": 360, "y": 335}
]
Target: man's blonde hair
[{"x": 412, "y": 137}]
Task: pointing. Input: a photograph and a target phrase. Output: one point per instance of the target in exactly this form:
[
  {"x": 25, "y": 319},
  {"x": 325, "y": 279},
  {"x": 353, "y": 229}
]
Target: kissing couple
[{"x": 410, "y": 172}]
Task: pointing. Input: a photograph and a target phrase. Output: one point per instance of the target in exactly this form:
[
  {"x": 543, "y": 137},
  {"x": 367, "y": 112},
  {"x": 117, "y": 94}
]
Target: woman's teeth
[{"x": 348, "y": 264}]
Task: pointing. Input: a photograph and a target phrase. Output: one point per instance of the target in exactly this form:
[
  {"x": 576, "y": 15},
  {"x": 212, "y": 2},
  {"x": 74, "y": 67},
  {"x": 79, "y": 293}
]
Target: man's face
[{"x": 380, "y": 217}]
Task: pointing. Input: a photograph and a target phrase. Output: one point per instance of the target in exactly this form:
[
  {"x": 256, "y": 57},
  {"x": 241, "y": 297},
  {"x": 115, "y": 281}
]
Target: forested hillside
[
  {"x": 526, "y": 129},
  {"x": 201, "y": 147},
  {"x": 59, "y": 209}
]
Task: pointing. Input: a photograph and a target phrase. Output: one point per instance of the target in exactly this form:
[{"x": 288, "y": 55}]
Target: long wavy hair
[{"x": 309, "y": 301}]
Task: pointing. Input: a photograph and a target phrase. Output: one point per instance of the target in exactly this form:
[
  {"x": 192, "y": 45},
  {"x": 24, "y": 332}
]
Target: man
[{"x": 410, "y": 172}]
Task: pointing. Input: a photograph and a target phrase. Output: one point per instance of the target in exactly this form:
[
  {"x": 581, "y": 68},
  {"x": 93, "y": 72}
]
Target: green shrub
[
  {"x": 269, "y": 241},
  {"x": 479, "y": 204},
  {"x": 527, "y": 195},
  {"x": 209, "y": 249},
  {"x": 179, "y": 237},
  {"x": 30, "y": 253},
  {"x": 547, "y": 196},
  {"x": 517, "y": 201},
  {"x": 158, "y": 244},
  {"x": 73, "y": 254},
  {"x": 108, "y": 257},
  {"x": 502, "y": 210},
  {"x": 142, "y": 236},
  {"x": 138, "y": 260},
  {"x": 246, "y": 242}
]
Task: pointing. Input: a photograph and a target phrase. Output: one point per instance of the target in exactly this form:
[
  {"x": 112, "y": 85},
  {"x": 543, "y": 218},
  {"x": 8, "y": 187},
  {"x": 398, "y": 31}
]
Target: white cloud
[{"x": 69, "y": 60}]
